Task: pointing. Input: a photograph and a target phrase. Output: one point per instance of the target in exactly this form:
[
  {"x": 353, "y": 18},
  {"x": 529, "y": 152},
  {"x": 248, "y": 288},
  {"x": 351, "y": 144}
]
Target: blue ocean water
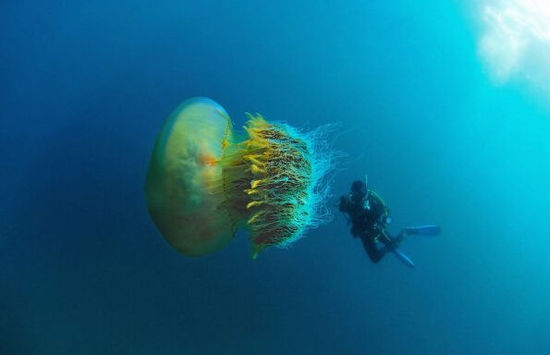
[{"x": 85, "y": 88}]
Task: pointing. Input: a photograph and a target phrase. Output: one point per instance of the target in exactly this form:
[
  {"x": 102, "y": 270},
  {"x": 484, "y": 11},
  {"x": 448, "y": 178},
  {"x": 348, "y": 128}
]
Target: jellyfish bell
[
  {"x": 203, "y": 182},
  {"x": 184, "y": 180}
]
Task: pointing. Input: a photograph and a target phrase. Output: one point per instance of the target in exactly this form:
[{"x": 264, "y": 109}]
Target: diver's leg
[
  {"x": 391, "y": 242},
  {"x": 399, "y": 238},
  {"x": 373, "y": 252}
]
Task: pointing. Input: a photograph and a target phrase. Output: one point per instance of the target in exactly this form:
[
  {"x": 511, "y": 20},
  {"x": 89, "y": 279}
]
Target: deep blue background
[{"x": 85, "y": 87}]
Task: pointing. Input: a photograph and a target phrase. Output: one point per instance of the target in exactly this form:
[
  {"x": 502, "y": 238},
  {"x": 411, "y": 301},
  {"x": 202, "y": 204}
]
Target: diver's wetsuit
[{"x": 368, "y": 216}]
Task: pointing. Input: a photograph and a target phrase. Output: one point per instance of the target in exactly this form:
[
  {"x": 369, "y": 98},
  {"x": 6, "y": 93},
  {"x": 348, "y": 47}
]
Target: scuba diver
[{"x": 369, "y": 217}]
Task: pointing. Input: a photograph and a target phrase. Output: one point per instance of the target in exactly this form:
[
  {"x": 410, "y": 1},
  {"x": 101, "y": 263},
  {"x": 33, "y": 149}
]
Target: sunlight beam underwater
[{"x": 516, "y": 40}]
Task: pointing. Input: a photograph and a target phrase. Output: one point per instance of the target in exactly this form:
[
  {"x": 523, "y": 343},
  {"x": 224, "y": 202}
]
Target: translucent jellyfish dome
[{"x": 203, "y": 183}]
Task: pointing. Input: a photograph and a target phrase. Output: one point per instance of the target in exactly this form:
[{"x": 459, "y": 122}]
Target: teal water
[{"x": 84, "y": 89}]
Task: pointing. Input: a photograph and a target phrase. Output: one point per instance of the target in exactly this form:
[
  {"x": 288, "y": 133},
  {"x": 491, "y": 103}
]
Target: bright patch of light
[{"x": 516, "y": 40}]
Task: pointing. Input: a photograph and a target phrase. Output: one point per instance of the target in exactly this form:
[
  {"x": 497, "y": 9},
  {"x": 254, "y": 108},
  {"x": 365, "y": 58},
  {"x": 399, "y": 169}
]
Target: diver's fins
[
  {"x": 427, "y": 229},
  {"x": 403, "y": 258},
  {"x": 391, "y": 245}
]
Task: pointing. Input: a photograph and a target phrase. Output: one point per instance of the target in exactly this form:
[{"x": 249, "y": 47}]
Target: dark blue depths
[{"x": 84, "y": 88}]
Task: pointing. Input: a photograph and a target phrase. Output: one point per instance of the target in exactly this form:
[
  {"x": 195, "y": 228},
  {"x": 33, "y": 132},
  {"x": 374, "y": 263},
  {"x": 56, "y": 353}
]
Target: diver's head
[{"x": 358, "y": 191}]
